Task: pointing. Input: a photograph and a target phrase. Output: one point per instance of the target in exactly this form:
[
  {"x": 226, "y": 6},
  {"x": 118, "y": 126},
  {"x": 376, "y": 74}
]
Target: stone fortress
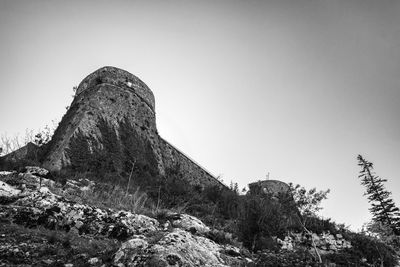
[
  {"x": 112, "y": 94},
  {"x": 273, "y": 187}
]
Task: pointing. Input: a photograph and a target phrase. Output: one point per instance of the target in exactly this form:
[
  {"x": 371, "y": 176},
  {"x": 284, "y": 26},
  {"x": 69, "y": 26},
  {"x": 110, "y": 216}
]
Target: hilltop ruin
[{"x": 114, "y": 111}]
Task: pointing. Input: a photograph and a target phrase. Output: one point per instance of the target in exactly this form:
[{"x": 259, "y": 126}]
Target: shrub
[
  {"x": 107, "y": 196},
  {"x": 221, "y": 237},
  {"x": 262, "y": 217},
  {"x": 285, "y": 259},
  {"x": 318, "y": 225},
  {"x": 368, "y": 248}
]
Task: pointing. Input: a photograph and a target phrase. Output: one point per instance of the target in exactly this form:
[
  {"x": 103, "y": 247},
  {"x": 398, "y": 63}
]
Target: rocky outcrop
[
  {"x": 325, "y": 242},
  {"x": 29, "y": 200},
  {"x": 188, "y": 223},
  {"x": 176, "y": 248},
  {"x": 39, "y": 206}
]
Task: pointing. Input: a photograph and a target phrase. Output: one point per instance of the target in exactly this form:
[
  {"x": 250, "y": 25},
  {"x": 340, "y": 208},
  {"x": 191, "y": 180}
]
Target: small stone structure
[{"x": 268, "y": 187}]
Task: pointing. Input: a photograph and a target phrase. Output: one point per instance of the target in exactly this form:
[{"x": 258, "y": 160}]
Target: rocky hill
[
  {"x": 76, "y": 234},
  {"x": 80, "y": 208}
]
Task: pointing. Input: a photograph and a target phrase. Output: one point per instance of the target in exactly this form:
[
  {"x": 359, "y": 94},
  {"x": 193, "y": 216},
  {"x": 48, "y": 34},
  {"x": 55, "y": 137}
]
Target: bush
[
  {"x": 366, "y": 249},
  {"x": 108, "y": 196},
  {"x": 262, "y": 217},
  {"x": 298, "y": 258},
  {"x": 318, "y": 225}
]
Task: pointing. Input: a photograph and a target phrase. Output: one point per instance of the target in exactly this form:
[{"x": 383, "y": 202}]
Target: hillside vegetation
[{"x": 107, "y": 190}]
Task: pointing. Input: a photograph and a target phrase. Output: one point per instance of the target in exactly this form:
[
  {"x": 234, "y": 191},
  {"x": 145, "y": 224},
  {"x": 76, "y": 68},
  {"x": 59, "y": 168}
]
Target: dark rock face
[{"x": 114, "y": 111}]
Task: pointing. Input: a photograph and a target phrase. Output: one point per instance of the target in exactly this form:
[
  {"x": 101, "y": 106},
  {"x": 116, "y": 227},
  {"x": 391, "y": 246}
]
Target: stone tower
[{"x": 116, "y": 96}]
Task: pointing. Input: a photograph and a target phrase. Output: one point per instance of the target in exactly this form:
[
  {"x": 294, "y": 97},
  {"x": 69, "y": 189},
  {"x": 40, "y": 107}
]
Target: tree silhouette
[{"x": 383, "y": 208}]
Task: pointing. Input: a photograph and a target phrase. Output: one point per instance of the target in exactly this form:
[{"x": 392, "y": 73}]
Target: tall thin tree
[{"x": 383, "y": 208}]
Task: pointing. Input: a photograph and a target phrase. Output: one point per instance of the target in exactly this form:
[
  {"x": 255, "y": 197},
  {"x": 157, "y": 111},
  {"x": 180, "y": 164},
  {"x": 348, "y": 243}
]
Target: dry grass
[
  {"x": 105, "y": 196},
  {"x": 23, "y": 246}
]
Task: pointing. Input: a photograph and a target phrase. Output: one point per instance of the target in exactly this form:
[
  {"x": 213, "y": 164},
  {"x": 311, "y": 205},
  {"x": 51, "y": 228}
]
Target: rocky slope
[
  {"x": 28, "y": 201},
  {"x": 41, "y": 225}
]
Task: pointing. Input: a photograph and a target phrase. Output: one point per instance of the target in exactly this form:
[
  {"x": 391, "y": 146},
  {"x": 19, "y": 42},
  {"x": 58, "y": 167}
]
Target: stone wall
[
  {"x": 268, "y": 187},
  {"x": 119, "y": 78},
  {"x": 191, "y": 170}
]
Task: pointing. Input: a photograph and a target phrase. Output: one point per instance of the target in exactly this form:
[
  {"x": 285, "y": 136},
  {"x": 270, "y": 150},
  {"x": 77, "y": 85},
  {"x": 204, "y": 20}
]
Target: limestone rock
[
  {"x": 177, "y": 248},
  {"x": 182, "y": 248},
  {"x": 8, "y": 191},
  {"x": 34, "y": 170},
  {"x": 130, "y": 249},
  {"x": 188, "y": 222},
  {"x": 41, "y": 207},
  {"x": 145, "y": 242},
  {"x": 325, "y": 242}
]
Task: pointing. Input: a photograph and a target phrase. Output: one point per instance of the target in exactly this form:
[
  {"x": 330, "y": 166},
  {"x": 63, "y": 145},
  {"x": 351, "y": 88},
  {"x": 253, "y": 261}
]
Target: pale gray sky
[{"x": 295, "y": 88}]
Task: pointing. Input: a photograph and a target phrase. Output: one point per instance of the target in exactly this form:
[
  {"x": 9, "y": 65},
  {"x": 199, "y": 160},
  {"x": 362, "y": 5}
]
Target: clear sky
[{"x": 295, "y": 88}]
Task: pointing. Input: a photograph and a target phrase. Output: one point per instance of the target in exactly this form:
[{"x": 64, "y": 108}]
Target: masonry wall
[
  {"x": 119, "y": 78},
  {"x": 192, "y": 171}
]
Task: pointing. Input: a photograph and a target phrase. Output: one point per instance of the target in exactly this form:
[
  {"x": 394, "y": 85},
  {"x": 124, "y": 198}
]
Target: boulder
[
  {"x": 188, "y": 222},
  {"x": 7, "y": 190},
  {"x": 37, "y": 171},
  {"x": 177, "y": 248}
]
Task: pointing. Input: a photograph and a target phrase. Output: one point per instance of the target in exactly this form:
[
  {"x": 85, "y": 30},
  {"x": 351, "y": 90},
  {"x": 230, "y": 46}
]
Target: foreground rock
[
  {"x": 41, "y": 207},
  {"x": 180, "y": 241},
  {"x": 176, "y": 248},
  {"x": 325, "y": 242}
]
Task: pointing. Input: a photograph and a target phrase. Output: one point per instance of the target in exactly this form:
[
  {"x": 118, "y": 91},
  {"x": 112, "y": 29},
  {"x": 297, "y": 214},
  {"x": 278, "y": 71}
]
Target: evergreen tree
[{"x": 382, "y": 208}]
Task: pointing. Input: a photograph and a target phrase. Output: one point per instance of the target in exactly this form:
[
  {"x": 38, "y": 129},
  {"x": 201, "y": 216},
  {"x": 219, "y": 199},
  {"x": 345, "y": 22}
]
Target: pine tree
[{"x": 383, "y": 208}]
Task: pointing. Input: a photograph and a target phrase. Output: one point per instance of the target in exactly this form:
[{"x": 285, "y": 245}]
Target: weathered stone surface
[
  {"x": 8, "y": 191},
  {"x": 188, "y": 223},
  {"x": 177, "y": 248},
  {"x": 130, "y": 249},
  {"x": 35, "y": 207},
  {"x": 146, "y": 243},
  {"x": 325, "y": 242},
  {"x": 269, "y": 187},
  {"x": 34, "y": 170}
]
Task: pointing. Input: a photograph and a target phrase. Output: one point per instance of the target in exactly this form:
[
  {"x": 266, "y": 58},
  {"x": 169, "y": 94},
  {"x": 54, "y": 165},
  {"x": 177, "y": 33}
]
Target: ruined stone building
[{"x": 118, "y": 97}]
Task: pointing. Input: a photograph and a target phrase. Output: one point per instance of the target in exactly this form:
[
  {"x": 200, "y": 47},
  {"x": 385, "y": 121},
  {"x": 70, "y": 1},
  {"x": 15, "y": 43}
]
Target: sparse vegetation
[
  {"x": 107, "y": 196},
  {"x": 124, "y": 167},
  {"x": 41, "y": 137},
  {"x": 41, "y": 246}
]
